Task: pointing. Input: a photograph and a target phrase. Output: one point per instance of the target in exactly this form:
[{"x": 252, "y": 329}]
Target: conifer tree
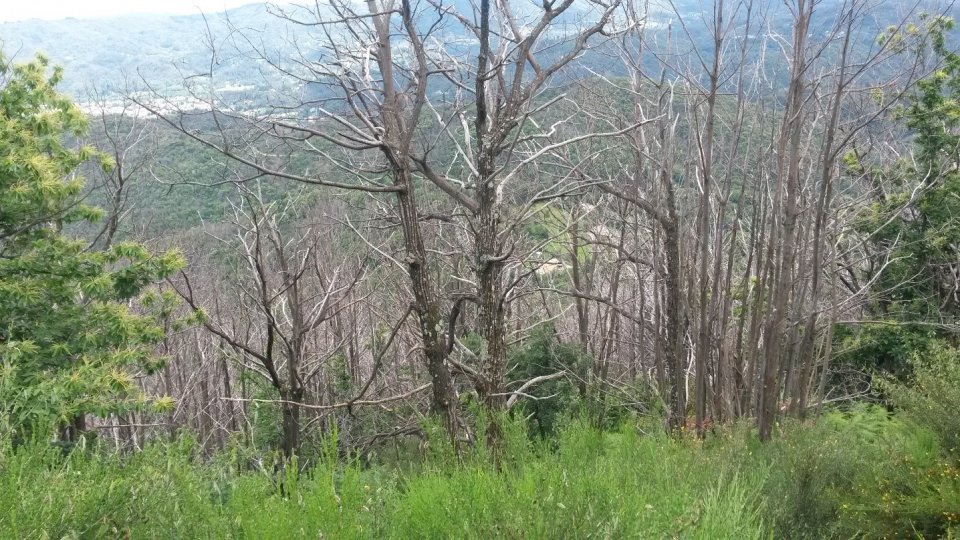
[{"x": 70, "y": 344}]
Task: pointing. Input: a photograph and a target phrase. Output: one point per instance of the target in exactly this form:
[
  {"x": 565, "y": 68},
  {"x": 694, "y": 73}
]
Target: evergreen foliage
[
  {"x": 911, "y": 226},
  {"x": 543, "y": 355},
  {"x": 69, "y": 342}
]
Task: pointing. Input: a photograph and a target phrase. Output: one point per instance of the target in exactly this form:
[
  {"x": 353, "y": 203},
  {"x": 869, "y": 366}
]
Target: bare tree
[
  {"x": 289, "y": 293},
  {"x": 698, "y": 192},
  {"x": 128, "y": 136}
]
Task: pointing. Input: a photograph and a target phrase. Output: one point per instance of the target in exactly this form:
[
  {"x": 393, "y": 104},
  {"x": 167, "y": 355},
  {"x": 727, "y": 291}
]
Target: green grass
[{"x": 828, "y": 480}]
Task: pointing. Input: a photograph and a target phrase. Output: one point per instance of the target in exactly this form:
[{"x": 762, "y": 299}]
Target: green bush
[
  {"x": 882, "y": 347},
  {"x": 544, "y": 355},
  {"x": 862, "y": 472},
  {"x": 933, "y": 398}
]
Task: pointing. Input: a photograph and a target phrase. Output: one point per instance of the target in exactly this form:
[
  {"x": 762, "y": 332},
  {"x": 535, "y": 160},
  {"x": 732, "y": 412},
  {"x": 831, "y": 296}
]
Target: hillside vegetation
[{"x": 577, "y": 269}]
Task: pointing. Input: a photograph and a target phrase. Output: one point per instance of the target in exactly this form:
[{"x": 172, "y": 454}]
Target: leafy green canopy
[
  {"x": 69, "y": 343},
  {"x": 917, "y": 219},
  {"x": 912, "y": 226}
]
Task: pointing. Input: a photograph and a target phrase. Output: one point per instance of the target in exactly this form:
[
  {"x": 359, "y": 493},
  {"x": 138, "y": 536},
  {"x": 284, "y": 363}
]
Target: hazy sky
[{"x": 15, "y": 10}]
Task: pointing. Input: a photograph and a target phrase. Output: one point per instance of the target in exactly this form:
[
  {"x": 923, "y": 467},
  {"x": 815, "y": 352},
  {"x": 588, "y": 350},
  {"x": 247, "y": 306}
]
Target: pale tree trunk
[{"x": 788, "y": 190}]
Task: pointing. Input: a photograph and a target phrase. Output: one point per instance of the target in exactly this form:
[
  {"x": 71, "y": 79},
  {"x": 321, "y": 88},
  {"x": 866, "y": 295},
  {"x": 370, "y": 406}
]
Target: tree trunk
[
  {"x": 675, "y": 351},
  {"x": 444, "y": 398},
  {"x": 290, "y": 443},
  {"x": 789, "y": 174}
]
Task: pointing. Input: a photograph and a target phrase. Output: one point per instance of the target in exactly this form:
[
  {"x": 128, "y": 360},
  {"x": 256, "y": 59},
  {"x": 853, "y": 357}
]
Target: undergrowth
[{"x": 859, "y": 473}]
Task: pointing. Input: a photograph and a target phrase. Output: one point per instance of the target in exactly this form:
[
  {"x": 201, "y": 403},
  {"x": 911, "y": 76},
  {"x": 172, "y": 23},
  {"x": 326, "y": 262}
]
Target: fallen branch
[
  {"x": 518, "y": 393},
  {"x": 111, "y": 426},
  {"x": 343, "y": 405}
]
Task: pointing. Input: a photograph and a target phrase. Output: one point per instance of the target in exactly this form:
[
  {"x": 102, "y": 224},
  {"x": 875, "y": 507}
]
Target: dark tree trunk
[
  {"x": 444, "y": 400},
  {"x": 290, "y": 443},
  {"x": 675, "y": 351}
]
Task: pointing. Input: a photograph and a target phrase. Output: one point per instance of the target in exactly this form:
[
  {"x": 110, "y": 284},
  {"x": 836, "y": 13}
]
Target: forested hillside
[
  {"x": 576, "y": 268},
  {"x": 108, "y": 54}
]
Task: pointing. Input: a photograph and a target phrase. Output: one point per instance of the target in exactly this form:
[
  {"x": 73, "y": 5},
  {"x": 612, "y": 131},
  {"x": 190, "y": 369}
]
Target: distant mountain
[
  {"x": 114, "y": 54},
  {"x": 106, "y": 52}
]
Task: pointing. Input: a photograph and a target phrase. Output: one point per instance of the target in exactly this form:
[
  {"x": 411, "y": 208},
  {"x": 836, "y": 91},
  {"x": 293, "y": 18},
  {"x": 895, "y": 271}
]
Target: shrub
[
  {"x": 861, "y": 472},
  {"x": 933, "y": 399},
  {"x": 543, "y": 355}
]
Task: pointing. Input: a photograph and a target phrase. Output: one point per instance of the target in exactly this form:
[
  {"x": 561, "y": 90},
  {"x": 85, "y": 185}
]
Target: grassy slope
[{"x": 850, "y": 475}]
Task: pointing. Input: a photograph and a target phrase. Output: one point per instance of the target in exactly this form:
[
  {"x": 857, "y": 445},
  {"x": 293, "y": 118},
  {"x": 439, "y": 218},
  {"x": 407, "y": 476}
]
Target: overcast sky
[{"x": 16, "y": 10}]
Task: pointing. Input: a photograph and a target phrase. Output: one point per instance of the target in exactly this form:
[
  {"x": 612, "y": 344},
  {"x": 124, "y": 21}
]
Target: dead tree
[
  {"x": 128, "y": 136},
  {"x": 288, "y": 293}
]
